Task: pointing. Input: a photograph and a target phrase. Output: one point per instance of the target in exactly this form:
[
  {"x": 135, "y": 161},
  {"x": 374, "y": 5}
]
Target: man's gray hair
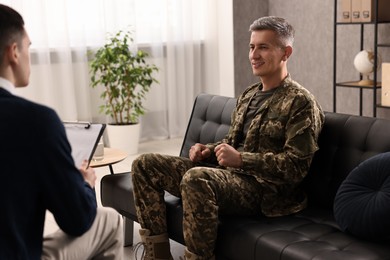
[{"x": 279, "y": 25}]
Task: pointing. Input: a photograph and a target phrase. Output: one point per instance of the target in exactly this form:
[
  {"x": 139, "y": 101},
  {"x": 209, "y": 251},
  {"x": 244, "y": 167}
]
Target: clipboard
[{"x": 83, "y": 138}]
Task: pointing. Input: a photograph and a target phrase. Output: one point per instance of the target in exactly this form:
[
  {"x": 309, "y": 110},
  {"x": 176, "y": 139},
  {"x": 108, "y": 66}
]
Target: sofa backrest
[
  {"x": 209, "y": 121},
  {"x": 345, "y": 141}
]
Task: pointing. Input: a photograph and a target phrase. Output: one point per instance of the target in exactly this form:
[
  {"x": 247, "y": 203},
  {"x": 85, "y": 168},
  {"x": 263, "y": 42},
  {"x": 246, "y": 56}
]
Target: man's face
[
  {"x": 266, "y": 54},
  {"x": 22, "y": 68}
]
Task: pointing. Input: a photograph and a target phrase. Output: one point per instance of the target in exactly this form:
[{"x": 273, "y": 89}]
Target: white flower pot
[{"x": 124, "y": 137}]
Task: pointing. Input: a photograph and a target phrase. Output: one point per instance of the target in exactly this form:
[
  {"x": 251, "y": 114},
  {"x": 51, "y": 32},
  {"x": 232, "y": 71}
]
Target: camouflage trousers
[{"x": 206, "y": 192}]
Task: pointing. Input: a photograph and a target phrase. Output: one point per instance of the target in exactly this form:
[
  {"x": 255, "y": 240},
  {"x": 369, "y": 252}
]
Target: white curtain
[{"x": 180, "y": 35}]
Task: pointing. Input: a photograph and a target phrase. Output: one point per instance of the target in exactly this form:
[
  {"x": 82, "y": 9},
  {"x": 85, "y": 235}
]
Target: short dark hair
[
  {"x": 279, "y": 25},
  {"x": 11, "y": 28}
]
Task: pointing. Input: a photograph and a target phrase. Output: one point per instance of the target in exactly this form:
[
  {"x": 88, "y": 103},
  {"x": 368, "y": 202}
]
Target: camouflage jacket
[{"x": 279, "y": 145}]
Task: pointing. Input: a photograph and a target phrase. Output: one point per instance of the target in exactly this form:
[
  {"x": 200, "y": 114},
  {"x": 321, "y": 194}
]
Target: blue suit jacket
[{"x": 37, "y": 172}]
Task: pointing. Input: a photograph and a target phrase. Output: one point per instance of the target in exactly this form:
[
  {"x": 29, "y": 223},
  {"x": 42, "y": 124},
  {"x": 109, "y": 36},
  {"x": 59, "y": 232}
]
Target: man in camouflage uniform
[{"x": 258, "y": 166}]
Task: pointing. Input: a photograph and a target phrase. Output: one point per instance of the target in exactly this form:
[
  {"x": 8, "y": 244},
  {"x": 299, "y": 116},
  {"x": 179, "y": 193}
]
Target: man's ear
[
  {"x": 12, "y": 53},
  {"x": 287, "y": 52}
]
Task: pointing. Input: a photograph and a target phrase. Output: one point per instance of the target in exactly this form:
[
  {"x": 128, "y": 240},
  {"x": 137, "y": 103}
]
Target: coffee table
[{"x": 111, "y": 156}]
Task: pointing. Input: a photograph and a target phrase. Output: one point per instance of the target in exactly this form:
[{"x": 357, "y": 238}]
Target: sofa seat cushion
[
  {"x": 310, "y": 234},
  {"x": 362, "y": 203}
]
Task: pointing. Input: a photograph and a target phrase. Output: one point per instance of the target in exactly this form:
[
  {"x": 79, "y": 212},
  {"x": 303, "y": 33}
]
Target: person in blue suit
[{"x": 37, "y": 171}]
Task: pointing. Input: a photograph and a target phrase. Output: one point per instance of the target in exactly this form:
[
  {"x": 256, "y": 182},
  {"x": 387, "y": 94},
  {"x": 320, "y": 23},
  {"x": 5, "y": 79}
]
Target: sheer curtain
[{"x": 181, "y": 37}]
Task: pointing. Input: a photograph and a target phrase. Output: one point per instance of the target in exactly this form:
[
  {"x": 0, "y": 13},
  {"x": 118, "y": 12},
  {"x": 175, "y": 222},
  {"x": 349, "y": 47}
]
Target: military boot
[{"x": 156, "y": 247}]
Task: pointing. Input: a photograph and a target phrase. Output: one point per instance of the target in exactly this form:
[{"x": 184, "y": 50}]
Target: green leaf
[{"x": 125, "y": 75}]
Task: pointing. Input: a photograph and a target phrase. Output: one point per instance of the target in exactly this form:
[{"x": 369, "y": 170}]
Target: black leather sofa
[{"x": 345, "y": 141}]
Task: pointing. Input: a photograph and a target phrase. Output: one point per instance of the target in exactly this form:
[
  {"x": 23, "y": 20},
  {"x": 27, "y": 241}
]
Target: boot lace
[{"x": 137, "y": 247}]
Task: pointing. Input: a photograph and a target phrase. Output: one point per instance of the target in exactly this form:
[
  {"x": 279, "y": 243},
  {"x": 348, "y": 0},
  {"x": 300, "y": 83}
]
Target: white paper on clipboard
[{"x": 83, "y": 138}]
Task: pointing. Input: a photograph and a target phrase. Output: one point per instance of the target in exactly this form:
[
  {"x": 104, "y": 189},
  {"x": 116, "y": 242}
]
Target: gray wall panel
[{"x": 244, "y": 13}]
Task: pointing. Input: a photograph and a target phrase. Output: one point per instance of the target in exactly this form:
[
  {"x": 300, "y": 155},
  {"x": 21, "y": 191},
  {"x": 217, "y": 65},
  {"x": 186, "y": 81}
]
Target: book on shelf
[
  {"x": 385, "y": 100},
  {"x": 363, "y": 11}
]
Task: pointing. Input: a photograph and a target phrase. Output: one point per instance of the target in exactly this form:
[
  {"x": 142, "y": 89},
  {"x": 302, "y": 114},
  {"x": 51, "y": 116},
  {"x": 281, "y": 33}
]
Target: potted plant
[{"x": 126, "y": 78}]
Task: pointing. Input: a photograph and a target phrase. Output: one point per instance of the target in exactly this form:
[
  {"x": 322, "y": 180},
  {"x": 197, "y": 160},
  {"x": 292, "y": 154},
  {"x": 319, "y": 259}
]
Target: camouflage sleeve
[{"x": 291, "y": 164}]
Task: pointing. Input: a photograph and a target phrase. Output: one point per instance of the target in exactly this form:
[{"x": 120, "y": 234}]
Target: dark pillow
[{"x": 362, "y": 202}]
